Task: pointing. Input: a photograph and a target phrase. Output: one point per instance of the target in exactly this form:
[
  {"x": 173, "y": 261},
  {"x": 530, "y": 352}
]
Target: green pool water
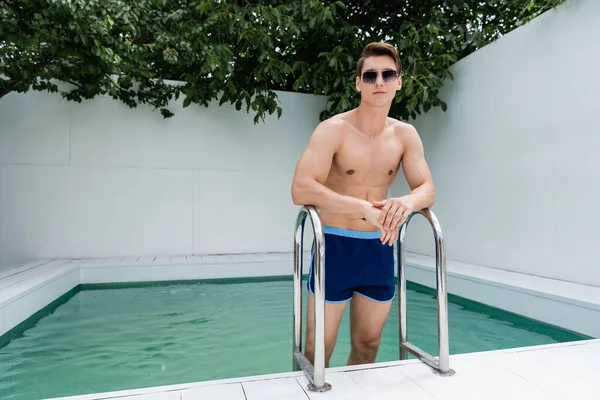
[{"x": 107, "y": 338}]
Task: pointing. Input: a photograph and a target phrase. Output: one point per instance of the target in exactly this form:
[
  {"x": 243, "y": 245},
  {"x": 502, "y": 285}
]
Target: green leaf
[{"x": 242, "y": 52}]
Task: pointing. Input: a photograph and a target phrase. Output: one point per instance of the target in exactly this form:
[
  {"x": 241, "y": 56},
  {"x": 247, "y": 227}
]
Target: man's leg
[
  {"x": 367, "y": 318},
  {"x": 333, "y": 316}
]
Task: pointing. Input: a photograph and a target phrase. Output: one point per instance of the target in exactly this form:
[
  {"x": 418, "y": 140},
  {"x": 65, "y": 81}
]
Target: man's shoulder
[
  {"x": 404, "y": 131},
  {"x": 337, "y": 121},
  {"x": 401, "y": 127},
  {"x": 328, "y": 134},
  {"x": 333, "y": 127},
  {"x": 334, "y": 122}
]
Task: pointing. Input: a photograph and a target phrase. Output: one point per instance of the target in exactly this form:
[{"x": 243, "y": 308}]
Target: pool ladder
[{"x": 315, "y": 373}]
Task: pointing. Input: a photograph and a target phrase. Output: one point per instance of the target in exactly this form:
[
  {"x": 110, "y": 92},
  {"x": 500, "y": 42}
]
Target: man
[{"x": 346, "y": 171}]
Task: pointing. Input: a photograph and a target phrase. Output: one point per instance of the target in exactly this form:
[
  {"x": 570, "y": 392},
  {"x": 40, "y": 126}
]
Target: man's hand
[
  {"x": 394, "y": 212},
  {"x": 374, "y": 215}
]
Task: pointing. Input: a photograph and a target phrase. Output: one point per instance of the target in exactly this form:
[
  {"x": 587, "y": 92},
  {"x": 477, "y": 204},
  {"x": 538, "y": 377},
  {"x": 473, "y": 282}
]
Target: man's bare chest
[{"x": 376, "y": 161}]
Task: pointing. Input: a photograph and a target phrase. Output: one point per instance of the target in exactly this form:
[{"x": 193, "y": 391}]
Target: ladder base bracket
[{"x": 313, "y": 388}]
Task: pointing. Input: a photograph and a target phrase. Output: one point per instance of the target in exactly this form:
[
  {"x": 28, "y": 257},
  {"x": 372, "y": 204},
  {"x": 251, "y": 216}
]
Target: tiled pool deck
[{"x": 564, "y": 371}]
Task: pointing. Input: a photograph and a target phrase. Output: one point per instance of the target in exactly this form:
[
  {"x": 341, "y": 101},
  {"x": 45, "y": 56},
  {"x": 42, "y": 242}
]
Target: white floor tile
[
  {"x": 15, "y": 269},
  {"x": 113, "y": 260},
  {"x": 581, "y": 361},
  {"x": 51, "y": 268},
  {"x": 194, "y": 259},
  {"x": 239, "y": 257},
  {"x": 456, "y": 387},
  {"x": 343, "y": 388},
  {"x": 411, "y": 392},
  {"x": 566, "y": 383},
  {"x": 274, "y": 389},
  {"x": 92, "y": 262},
  {"x": 179, "y": 260},
  {"x": 500, "y": 382},
  {"x": 175, "y": 395},
  {"x": 389, "y": 383},
  {"x": 146, "y": 260},
  {"x": 232, "y": 391},
  {"x": 129, "y": 261},
  {"x": 75, "y": 263}
]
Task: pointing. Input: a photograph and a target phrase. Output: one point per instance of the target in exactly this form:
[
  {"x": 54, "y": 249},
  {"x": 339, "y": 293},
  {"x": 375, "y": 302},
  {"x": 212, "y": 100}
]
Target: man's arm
[
  {"x": 416, "y": 171},
  {"x": 312, "y": 171}
]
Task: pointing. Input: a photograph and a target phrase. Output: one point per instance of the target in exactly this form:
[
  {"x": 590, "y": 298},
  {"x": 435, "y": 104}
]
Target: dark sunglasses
[{"x": 388, "y": 75}]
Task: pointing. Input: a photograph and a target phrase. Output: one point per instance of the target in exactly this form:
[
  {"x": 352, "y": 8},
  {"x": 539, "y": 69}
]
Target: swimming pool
[{"x": 115, "y": 337}]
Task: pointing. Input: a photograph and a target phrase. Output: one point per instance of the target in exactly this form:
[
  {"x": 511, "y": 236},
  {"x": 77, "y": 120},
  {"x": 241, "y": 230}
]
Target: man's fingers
[
  {"x": 378, "y": 203},
  {"x": 397, "y": 210},
  {"x": 405, "y": 216},
  {"x": 396, "y": 219},
  {"x": 389, "y": 237},
  {"x": 393, "y": 235},
  {"x": 384, "y": 236},
  {"x": 384, "y": 212},
  {"x": 387, "y": 214}
]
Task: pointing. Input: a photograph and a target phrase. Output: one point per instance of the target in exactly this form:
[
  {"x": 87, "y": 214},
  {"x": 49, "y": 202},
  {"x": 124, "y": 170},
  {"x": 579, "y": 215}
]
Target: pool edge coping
[{"x": 296, "y": 374}]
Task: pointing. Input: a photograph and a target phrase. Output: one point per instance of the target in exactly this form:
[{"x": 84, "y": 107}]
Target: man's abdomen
[{"x": 355, "y": 222}]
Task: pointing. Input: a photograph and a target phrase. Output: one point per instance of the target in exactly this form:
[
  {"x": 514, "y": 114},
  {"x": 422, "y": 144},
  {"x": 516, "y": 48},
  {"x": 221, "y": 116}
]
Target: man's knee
[{"x": 366, "y": 345}]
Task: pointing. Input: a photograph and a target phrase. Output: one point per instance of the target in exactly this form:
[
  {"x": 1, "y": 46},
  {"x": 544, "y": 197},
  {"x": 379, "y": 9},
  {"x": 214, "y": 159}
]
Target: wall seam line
[
  {"x": 70, "y": 135},
  {"x": 193, "y": 212}
]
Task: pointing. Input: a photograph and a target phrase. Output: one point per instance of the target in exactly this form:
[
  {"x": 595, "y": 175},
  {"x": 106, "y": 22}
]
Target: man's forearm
[
  {"x": 318, "y": 195},
  {"x": 422, "y": 196}
]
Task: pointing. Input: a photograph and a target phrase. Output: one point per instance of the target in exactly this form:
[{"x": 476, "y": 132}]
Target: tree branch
[{"x": 6, "y": 86}]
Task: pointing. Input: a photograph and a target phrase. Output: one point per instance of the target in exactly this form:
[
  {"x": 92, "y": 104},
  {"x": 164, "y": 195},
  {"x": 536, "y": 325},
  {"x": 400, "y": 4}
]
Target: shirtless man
[{"x": 345, "y": 172}]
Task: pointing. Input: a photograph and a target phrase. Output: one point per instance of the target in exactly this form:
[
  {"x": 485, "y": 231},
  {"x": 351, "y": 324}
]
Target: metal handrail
[
  {"x": 315, "y": 373},
  {"x": 442, "y": 365}
]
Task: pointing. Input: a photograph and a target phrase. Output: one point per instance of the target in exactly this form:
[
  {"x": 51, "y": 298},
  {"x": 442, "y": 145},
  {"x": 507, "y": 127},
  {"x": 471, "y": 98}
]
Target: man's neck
[{"x": 371, "y": 120}]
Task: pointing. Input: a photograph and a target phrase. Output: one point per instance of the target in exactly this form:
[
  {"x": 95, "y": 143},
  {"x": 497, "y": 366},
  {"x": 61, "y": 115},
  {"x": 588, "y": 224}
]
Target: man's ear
[
  {"x": 399, "y": 83},
  {"x": 356, "y": 81}
]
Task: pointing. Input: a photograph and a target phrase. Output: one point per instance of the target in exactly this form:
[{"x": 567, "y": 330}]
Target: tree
[{"x": 154, "y": 51}]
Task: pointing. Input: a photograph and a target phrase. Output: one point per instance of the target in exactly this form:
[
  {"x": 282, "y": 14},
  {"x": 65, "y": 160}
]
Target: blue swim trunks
[{"x": 356, "y": 262}]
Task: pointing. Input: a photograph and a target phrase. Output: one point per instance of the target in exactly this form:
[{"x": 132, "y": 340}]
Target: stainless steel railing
[
  {"x": 442, "y": 365},
  {"x": 315, "y": 373}
]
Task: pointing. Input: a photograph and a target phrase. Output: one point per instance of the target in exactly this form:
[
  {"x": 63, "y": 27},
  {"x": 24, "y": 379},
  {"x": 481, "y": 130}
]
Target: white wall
[
  {"x": 99, "y": 179},
  {"x": 516, "y": 159},
  {"x": 514, "y": 162}
]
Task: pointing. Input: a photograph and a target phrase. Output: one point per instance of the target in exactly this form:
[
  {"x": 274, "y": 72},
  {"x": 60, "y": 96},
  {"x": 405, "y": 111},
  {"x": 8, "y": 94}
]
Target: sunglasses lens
[
  {"x": 369, "y": 77},
  {"x": 388, "y": 75}
]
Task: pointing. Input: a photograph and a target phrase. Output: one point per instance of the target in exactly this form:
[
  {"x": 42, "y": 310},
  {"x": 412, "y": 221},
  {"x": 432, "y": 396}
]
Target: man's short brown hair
[{"x": 379, "y": 49}]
